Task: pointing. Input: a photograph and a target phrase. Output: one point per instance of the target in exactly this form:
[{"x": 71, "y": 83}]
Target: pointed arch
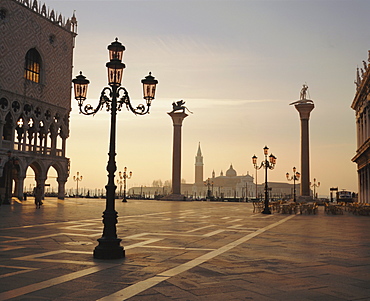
[
  {"x": 11, "y": 180},
  {"x": 39, "y": 174},
  {"x": 8, "y": 128},
  {"x": 37, "y": 168},
  {"x": 39, "y": 171},
  {"x": 62, "y": 176}
]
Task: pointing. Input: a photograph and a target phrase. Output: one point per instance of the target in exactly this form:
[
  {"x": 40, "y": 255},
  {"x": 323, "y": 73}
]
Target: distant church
[{"x": 232, "y": 185}]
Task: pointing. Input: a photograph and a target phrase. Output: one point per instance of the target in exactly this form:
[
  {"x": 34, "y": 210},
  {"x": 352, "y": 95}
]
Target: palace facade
[{"x": 35, "y": 94}]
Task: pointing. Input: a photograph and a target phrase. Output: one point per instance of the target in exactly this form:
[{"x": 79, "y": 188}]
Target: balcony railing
[{"x": 6, "y": 144}]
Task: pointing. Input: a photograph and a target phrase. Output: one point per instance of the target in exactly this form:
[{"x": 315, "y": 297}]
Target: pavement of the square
[{"x": 181, "y": 251}]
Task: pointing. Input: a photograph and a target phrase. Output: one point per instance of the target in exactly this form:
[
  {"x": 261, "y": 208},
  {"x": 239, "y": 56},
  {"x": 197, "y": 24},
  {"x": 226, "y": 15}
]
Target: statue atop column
[
  {"x": 302, "y": 96},
  {"x": 179, "y": 106}
]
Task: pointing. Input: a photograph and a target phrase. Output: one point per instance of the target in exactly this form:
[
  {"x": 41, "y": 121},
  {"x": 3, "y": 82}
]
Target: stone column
[
  {"x": 24, "y": 139},
  {"x": 64, "y": 137},
  {"x": 177, "y": 119},
  {"x": 362, "y": 194},
  {"x": 53, "y": 137},
  {"x": 19, "y": 184},
  {"x": 304, "y": 109},
  {"x": 61, "y": 188},
  {"x": 358, "y": 126},
  {"x": 45, "y": 151},
  {"x": 2, "y": 123},
  {"x": 363, "y": 127}
]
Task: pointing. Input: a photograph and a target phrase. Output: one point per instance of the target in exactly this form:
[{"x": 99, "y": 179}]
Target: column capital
[
  {"x": 177, "y": 118},
  {"x": 304, "y": 110}
]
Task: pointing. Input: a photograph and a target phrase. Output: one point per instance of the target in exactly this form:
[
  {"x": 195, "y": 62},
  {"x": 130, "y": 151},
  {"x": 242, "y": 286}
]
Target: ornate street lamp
[
  {"x": 267, "y": 164},
  {"x": 77, "y": 179},
  {"x": 314, "y": 185},
  {"x": 123, "y": 176},
  {"x": 113, "y": 97},
  {"x": 295, "y": 177}
]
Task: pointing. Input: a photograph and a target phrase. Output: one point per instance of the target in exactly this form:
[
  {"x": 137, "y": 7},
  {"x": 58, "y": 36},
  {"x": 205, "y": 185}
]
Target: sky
[{"x": 237, "y": 65}]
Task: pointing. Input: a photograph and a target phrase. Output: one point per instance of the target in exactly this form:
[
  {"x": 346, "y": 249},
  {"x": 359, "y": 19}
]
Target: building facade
[
  {"x": 35, "y": 94},
  {"x": 361, "y": 106},
  {"x": 232, "y": 185}
]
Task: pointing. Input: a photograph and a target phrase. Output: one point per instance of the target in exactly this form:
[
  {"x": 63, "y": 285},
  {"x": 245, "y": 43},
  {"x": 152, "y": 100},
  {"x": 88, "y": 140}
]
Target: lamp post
[
  {"x": 77, "y": 179},
  {"x": 314, "y": 185},
  {"x": 113, "y": 97},
  {"x": 123, "y": 176},
  {"x": 256, "y": 167},
  {"x": 295, "y": 177},
  {"x": 267, "y": 164}
]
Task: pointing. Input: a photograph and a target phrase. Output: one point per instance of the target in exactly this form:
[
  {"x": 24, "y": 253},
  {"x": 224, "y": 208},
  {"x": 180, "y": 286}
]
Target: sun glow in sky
[{"x": 238, "y": 65}]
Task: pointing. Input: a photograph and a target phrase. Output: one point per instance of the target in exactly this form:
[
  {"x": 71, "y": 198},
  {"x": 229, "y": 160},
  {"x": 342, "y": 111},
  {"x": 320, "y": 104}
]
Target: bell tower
[{"x": 199, "y": 167}]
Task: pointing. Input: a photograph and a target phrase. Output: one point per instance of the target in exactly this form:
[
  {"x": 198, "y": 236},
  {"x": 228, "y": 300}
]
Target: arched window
[{"x": 32, "y": 66}]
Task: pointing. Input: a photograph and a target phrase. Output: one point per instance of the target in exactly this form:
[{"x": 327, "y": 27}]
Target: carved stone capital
[
  {"x": 304, "y": 110},
  {"x": 177, "y": 118}
]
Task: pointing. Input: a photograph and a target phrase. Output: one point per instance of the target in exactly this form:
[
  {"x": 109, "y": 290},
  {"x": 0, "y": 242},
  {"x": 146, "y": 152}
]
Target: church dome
[{"x": 231, "y": 172}]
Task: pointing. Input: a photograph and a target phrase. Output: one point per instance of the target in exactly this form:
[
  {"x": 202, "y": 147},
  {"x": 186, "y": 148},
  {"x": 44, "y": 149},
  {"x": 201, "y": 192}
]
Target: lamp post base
[
  {"x": 109, "y": 248},
  {"x": 266, "y": 211}
]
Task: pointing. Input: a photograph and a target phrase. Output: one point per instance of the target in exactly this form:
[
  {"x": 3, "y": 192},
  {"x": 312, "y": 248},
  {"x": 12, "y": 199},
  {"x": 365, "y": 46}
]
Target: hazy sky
[{"x": 238, "y": 65}]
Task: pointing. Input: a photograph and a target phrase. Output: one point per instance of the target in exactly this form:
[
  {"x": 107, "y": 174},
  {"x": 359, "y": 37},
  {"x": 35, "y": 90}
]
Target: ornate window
[{"x": 32, "y": 67}]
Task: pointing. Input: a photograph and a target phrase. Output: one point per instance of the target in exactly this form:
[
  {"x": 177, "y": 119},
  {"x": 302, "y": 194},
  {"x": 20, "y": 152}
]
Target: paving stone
[
  {"x": 181, "y": 251},
  {"x": 174, "y": 292}
]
